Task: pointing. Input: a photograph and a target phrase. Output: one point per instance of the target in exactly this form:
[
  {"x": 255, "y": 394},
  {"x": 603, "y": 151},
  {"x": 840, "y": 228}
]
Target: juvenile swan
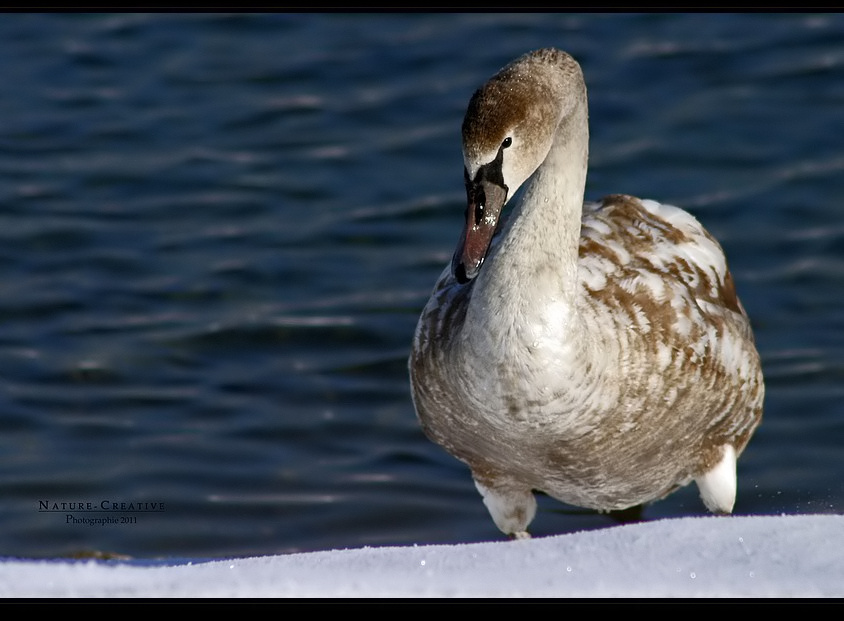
[{"x": 596, "y": 352}]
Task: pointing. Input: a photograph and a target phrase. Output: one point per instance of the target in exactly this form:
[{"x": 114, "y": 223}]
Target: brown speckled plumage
[{"x": 597, "y": 352}]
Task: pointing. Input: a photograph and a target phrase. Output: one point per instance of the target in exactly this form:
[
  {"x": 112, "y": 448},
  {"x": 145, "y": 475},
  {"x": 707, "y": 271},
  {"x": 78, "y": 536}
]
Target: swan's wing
[
  {"x": 661, "y": 280},
  {"x": 640, "y": 251}
]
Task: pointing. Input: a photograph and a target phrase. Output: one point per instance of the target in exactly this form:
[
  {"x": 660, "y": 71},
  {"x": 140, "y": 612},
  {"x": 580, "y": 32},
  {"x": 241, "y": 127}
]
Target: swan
[{"x": 596, "y": 352}]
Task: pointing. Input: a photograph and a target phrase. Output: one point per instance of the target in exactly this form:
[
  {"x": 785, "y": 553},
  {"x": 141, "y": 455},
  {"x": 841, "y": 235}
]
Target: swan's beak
[{"x": 485, "y": 200}]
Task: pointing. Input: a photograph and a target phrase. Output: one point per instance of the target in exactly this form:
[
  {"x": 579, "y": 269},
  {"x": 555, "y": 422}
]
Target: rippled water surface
[{"x": 217, "y": 232}]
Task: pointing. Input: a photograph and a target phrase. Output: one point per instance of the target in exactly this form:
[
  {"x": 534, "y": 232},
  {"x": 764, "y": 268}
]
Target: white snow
[{"x": 757, "y": 556}]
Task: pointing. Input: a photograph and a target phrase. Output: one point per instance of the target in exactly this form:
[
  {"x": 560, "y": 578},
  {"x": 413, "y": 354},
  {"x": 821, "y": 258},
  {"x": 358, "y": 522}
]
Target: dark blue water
[{"x": 217, "y": 232}]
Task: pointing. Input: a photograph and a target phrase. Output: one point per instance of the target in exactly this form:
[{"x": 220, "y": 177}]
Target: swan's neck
[{"x": 527, "y": 287}]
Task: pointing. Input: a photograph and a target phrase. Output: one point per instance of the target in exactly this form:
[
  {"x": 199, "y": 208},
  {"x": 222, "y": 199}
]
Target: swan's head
[{"x": 509, "y": 127}]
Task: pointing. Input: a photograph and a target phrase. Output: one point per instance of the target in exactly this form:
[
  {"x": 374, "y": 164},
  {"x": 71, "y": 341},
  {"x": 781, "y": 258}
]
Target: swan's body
[{"x": 595, "y": 352}]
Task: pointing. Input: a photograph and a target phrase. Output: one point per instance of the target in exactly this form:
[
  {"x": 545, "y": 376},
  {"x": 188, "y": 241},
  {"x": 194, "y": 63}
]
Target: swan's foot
[
  {"x": 627, "y": 516},
  {"x": 718, "y": 486},
  {"x": 512, "y": 508}
]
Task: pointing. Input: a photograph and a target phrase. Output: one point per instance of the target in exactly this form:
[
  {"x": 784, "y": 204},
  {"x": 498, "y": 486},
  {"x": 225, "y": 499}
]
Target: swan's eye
[{"x": 507, "y": 142}]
